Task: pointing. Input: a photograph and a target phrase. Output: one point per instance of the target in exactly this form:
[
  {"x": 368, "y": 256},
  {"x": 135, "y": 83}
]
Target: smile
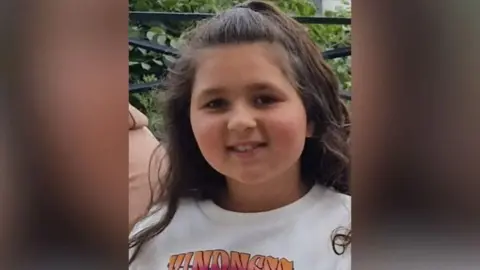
[{"x": 246, "y": 147}]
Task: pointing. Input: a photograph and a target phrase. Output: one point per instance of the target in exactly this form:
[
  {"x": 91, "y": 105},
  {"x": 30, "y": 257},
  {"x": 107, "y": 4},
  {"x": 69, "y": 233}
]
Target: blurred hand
[{"x": 141, "y": 172}]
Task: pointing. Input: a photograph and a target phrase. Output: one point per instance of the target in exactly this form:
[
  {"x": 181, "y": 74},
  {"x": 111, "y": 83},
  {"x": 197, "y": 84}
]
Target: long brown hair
[{"x": 325, "y": 158}]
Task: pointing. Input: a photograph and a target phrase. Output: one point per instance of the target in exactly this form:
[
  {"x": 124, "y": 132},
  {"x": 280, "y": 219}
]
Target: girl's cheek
[
  {"x": 208, "y": 131},
  {"x": 287, "y": 129}
]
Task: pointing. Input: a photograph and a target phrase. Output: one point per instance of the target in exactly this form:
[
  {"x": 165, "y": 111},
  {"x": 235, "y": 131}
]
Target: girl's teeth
[{"x": 243, "y": 148}]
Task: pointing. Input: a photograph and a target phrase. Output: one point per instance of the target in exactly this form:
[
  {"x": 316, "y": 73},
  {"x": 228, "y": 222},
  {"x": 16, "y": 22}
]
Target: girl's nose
[{"x": 241, "y": 119}]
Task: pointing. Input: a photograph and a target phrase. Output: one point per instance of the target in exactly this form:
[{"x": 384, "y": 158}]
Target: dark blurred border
[{"x": 66, "y": 112}]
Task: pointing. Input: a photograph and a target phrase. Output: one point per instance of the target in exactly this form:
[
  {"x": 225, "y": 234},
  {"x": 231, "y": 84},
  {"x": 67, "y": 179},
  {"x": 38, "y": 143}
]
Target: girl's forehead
[
  {"x": 241, "y": 65},
  {"x": 273, "y": 52},
  {"x": 250, "y": 63}
]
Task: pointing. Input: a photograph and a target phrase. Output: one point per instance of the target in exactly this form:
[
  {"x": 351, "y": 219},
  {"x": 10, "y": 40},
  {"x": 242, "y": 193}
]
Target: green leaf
[
  {"x": 145, "y": 66},
  {"x": 170, "y": 58},
  {"x": 131, "y": 63},
  {"x": 161, "y": 39},
  {"x": 151, "y": 35},
  {"x": 169, "y": 4},
  {"x": 158, "y": 62},
  {"x": 157, "y": 30},
  {"x": 175, "y": 44},
  {"x": 133, "y": 32},
  {"x": 143, "y": 51},
  {"x": 149, "y": 78},
  {"x": 143, "y": 5}
]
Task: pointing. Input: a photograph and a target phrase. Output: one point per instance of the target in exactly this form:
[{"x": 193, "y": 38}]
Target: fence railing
[
  {"x": 159, "y": 17},
  {"x": 153, "y": 18}
]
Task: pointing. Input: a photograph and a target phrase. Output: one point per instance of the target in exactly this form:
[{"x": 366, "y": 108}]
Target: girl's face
[{"x": 247, "y": 118}]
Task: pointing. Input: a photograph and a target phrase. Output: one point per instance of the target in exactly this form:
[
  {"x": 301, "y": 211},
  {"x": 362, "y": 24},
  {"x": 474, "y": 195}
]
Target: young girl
[{"x": 257, "y": 153}]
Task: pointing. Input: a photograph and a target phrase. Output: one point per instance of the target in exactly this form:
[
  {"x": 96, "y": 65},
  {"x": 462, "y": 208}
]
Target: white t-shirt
[{"x": 205, "y": 236}]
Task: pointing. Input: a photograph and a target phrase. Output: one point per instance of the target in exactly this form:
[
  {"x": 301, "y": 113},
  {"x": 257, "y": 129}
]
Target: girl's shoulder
[
  {"x": 330, "y": 198},
  {"x": 333, "y": 206},
  {"x": 157, "y": 212}
]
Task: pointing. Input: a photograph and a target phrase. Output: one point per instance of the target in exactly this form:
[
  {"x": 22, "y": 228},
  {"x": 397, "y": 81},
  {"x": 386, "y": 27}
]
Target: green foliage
[{"x": 146, "y": 66}]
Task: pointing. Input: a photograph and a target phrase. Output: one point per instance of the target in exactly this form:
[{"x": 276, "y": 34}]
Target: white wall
[
  {"x": 323, "y": 5},
  {"x": 331, "y": 4}
]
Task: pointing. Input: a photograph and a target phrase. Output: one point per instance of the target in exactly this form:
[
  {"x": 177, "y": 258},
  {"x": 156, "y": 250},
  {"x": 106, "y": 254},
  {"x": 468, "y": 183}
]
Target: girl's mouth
[{"x": 246, "y": 147}]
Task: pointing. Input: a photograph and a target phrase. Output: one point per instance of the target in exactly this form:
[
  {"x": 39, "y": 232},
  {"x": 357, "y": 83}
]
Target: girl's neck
[{"x": 267, "y": 196}]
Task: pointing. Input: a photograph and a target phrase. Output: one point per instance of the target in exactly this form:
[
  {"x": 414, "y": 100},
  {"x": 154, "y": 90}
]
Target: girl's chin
[{"x": 249, "y": 179}]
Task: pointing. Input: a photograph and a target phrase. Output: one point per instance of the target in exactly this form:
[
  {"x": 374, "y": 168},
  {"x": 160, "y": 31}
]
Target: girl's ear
[{"x": 310, "y": 129}]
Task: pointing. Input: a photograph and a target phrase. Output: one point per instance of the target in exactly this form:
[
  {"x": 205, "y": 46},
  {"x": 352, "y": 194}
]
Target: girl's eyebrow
[
  {"x": 265, "y": 87},
  {"x": 209, "y": 92},
  {"x": 260, "y": 86}
]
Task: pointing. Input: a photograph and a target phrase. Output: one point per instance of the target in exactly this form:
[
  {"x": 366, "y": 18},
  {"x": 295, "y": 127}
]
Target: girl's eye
[
  {"x": 216, "y": 104},
  {"x": 265, "y": 100}
]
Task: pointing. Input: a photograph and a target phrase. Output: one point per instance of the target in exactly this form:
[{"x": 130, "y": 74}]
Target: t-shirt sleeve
[{"x": 154, "y": 216}]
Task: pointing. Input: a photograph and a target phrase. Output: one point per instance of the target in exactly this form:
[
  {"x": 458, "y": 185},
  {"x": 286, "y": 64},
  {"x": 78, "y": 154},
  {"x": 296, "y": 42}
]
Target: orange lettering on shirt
[
  {"x": 179, "y": 261},
  {"x": 223, "y": 263},
  {"x": 171, "y": 262},
  {"x": 186, "y": 261},
  {"x": 222, "y": 260},
  {"x": 201, "y": 260},
  {"x": 239, "y": 261},
  {"x": 285, "y": 264},
  {"x": 256, "y": 262},
  {"x": 271, "y": 263}
]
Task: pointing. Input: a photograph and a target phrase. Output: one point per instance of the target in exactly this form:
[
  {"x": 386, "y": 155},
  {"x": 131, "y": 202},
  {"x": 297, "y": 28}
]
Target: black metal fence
[{"x": 161, "y": 17}]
